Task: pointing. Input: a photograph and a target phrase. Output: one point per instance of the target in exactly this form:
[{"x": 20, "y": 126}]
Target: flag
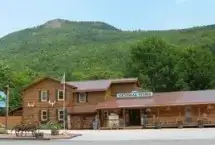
[
  {"x": 63, "y": 79},
  {"x": 2, "y": 99}
]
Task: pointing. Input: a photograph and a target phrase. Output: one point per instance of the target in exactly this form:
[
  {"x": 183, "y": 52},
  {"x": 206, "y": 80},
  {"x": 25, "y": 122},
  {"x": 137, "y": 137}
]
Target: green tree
[
  {"x": 153, "y": 61},
  {"x": 5, "y": 76},
  {"x": 197, "y": 68},
  {"x": 20, "y": 80},
  {"x": 16, "y": 82}
]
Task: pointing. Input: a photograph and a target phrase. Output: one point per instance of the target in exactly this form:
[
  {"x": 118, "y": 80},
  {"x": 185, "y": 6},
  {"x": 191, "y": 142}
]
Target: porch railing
[{"x": 176, "y": 120}]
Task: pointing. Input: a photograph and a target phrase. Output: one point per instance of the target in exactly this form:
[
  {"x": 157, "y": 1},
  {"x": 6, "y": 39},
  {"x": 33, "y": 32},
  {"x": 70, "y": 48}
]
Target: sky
[{"x": 124, "y": 14}]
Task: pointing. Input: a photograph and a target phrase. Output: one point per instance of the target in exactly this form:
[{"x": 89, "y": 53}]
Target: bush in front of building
[
  {"x": 53, "y": 126},
  {"x": 50, "y": 125},
  {"x": 39, "y": 135},
  {"x": 3, "y": 131}
]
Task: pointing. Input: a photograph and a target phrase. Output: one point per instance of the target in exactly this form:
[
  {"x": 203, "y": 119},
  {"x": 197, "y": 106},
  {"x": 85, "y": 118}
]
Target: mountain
[{"x": 84, "y": 49}]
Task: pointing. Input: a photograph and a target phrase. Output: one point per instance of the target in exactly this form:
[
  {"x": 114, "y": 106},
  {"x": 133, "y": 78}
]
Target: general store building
[{"x": 116, "y": 103}]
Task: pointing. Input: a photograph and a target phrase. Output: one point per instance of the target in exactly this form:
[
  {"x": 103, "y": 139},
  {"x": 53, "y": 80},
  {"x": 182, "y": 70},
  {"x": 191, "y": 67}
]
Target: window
[
  {"x": 60, "y": 114},
  {"x": 44, "y": 115},
  {"x": 60, "y": 95},
  {"x": 44, "y": 95},
  {"x": 82, "y": 97}
]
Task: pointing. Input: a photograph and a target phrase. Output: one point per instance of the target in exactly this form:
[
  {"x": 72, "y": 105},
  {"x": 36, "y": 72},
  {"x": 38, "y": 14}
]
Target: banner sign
[
  {"x": 2, "y": 99},
  {"x": 134, "y": 94}
]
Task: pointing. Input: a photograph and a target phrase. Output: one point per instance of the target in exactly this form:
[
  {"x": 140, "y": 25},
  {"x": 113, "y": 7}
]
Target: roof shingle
[
  {"x": 91, "y": 85},
  {"x": 163, "y": 99},
  {"x": 99, "y": 85}
]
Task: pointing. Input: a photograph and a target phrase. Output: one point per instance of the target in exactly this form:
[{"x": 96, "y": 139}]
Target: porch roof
[
  {"x": 82, "y": 109},
  {"x": 163, "y": 99}
]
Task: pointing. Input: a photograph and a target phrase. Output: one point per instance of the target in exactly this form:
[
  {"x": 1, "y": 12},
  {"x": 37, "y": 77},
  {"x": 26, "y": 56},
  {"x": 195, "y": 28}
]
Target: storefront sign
[{"x": 134, "y": 94}]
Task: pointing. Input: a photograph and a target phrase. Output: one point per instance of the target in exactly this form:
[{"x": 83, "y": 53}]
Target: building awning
[
  {"x": 162, "y": 99},
  {"x": 82, "y": 109}
]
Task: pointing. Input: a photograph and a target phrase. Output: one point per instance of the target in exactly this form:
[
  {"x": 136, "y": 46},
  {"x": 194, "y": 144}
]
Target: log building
[{"x": 116, "y": 103}]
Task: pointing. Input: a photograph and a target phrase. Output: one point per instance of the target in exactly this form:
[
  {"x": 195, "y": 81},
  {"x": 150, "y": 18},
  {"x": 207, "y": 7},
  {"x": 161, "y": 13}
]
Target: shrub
[
  {"x": 54, "y": 132},
  {"x": 39, "y": 134},
  {"x": 51, "y": 125},
  {"x": 44, "y": 126},
  {"x": 3, "y": 131}
]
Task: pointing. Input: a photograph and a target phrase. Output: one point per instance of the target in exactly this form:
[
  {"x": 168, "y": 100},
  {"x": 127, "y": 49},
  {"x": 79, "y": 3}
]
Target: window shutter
[
  {"x": 77, "y": 98},
  {"x": 65, "y": 94},
  {"x": 66, "y": 117},
  {"x": 56, "y": 94},
  {"x": 39, "y": 95},
  {"x": 86, "y": 97},
  {"x": 65, "y": 113},
  {"x": 48, "y": 114},
  {"x": 57, "y": 114},
  {"x": 47, "y": 95},
  {"x": 40, "y": 119}
]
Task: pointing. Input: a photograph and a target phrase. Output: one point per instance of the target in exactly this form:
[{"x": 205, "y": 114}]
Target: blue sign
[
  {"x": 134, "y": 94},
  {"x": 2, "y": 99}
]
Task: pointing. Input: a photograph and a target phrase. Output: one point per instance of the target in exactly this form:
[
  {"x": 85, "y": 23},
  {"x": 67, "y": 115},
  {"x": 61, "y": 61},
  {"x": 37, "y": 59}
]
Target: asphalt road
[
  {"x": 136, "y": 142},
  {"x": 161, "y": 134},
  {"x": 204, "y": 136}
]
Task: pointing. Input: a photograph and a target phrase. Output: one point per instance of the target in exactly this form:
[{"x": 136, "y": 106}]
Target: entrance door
[
  {"x": 134, "y": 117},
  {"x": 188, "y": 114}
]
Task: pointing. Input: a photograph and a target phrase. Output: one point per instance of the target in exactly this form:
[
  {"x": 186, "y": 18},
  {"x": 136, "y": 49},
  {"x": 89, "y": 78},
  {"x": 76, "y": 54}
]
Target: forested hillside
[{"x": 96, "y": 50}]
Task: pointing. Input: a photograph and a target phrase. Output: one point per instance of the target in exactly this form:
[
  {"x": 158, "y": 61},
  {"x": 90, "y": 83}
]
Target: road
[
  {"x": 205, "y": 136},
  {"x": 161, "y": 134},
  {"x": 137, "y": 142}
]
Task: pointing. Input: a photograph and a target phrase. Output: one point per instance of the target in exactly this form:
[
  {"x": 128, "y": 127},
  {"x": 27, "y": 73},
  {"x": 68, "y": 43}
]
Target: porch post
[
  {"x": 124, "y": 117},
  {"x": 68, "y": 121},
  {"x": 179, "y": 114},
  {"x": 98, "y": 118},
  {"x": 179, "y": 111},
  {"x": 199, "y": 111},
  {"x": 158, "y": 112},
  {"x": 141, "y": 116}
]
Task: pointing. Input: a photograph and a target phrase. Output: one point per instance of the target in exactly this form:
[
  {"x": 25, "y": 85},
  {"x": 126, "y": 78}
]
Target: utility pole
[
  {"x": 63, "y": 81},
  {"x": 64, "y": 105}
]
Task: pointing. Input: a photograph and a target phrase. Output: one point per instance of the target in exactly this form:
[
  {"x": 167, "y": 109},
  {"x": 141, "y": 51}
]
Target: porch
[{"x": 158, "y": 117}]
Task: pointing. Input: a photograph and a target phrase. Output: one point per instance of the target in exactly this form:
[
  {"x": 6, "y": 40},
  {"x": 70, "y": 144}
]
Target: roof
[
  {"x": 124, "y": 80},
  {"x": 99, "y": 85},
  {"x": 46, "y": 78},
  {"x": 90, "y": 85},
  {"x": 163, "y": 99},
  {"x": 82, "y": 109}
]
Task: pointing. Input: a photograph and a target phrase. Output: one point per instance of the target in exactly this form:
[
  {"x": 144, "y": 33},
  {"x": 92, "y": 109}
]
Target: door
[
  {"x": 188, "y": 114},
  {"x": 134, "y": 117}
]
